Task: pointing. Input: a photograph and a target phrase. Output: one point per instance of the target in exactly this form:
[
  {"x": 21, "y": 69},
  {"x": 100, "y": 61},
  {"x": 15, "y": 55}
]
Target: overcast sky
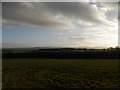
[{"x": 60, "y": 24}]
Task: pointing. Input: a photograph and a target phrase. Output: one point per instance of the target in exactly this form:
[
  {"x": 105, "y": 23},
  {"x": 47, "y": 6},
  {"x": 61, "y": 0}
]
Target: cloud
[
  {"x": 119, "y": 11},
  {"x": 93, "y": 40},
  {"x": 78, "y": 38},
  {"x": 0, "y": 26},
  {"x": 0, "y": 14},
  {"x": 101, "y": 36},
  {"x": 111, "y": 5},
  {"x": 76, "y": 10},
  {"x": 28, "y": 14},
  {"x": 110, "y": 9},
  {"x": 60, "y": 15},
  {"x": 60, "y": 34}
]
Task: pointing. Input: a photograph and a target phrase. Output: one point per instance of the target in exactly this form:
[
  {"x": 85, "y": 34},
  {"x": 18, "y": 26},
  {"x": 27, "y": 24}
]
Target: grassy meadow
[{"x": 63, "y": 73}]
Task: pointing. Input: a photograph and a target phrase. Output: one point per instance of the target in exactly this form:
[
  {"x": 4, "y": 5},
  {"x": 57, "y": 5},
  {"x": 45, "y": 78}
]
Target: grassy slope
[{"x": 35, "y": 73}]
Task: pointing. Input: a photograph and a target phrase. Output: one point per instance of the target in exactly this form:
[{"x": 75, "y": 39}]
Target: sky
[
  {"x": 0, "y": 26},
  {"x": 59, "y": 24}
]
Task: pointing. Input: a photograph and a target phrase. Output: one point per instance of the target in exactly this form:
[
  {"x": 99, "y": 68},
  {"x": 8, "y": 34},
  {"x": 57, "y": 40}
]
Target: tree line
[{"x": 65, "y": 53}]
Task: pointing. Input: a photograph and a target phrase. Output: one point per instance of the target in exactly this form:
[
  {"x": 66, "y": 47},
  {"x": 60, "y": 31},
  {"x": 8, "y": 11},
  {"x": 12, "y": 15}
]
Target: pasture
[{"x": 60, "y": 73}]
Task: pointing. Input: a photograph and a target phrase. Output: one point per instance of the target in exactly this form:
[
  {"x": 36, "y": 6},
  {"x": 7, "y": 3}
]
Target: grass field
[{"x": 52, "y": 73}]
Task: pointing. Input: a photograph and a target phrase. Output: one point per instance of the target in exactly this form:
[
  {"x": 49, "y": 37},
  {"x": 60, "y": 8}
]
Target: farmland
[{"x": 60, "y": 73}]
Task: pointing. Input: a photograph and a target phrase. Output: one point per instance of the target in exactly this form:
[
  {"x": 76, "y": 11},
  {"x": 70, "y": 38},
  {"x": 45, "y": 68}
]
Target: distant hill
[{"x": 109, "y": 53}]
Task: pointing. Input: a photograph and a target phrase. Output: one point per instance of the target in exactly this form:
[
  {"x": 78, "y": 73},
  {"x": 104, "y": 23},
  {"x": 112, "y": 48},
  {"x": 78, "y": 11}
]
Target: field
[{"x": 63, "y": 73}]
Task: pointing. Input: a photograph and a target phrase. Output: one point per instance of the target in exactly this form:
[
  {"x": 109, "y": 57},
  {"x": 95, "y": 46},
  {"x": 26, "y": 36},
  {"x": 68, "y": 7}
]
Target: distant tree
[
  {"x": 110, "y": 48},
  {"x": 117, "y": 47}
]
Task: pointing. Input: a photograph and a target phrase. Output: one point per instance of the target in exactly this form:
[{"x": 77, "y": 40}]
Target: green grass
[{"x": 45, "y": 73}]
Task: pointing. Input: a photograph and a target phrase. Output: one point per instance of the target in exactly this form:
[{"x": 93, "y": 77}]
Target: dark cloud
[
  {"x": 49, "y": 14},
  {"x": 74, "y": 10},
  {"x": 23, "y": 14}
]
